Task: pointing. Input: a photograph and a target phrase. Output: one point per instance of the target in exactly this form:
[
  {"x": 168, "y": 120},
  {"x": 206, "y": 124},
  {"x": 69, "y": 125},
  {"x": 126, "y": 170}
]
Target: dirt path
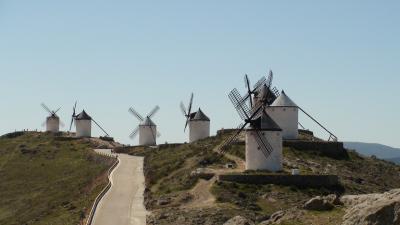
[{"x": 202, "y": 196}]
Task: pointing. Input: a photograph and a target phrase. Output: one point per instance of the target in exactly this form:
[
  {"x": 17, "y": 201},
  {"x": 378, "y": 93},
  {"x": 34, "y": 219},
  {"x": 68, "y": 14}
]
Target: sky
[{"x": 338, "y": 60}]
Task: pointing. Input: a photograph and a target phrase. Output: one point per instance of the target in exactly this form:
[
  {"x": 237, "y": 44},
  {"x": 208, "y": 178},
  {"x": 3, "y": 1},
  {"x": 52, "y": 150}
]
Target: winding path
[{"x": 123, "y": 203}]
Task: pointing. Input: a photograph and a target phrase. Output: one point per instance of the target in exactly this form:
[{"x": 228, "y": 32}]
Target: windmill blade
[
  {"x": 44, "y": 123},
  {"x": 249, "y": 92},
  {"x": 56, "y": 111},
  {"x": 190, "y": 105},
  {"x": 256, "y": 88},
  {"x": 186, "y": 124},
  {"x": 259, "y": 83},
  {"x": 134, "y": 133},
  {"x": 183, "y": 109},
  {"x": 158, "y": 134},
  {"x": 232, "y": 139},
  {"x": 239, "y": 104},
  {"x": 270, "y": 77},
  {"x": 153, "y": 112},
  {"x": 73, "y": 116},
  {"x": 136, "y": 114},
  {"x": 46, "y": 108},
  {"x": 154, "y": 135},
  {"x": 72, "y": 121},
  {"x": 62, "y": 124},
  {"x": 100, "y": 127},
  {"x": 263, "y": 144},
  {"x": 74, "y": 108}
]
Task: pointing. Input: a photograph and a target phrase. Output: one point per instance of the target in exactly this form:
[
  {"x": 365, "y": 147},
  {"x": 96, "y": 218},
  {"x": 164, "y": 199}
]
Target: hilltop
[
  {"x": 182, "y": 185},
  {"x": 48, "y": 179}
]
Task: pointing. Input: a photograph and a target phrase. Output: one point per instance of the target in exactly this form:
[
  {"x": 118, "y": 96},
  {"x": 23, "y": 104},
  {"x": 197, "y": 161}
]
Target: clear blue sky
[{"x": 338, "y": 60}]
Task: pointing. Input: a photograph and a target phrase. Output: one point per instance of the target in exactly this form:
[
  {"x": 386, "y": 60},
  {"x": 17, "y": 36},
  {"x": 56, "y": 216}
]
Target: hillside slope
[
  {"x": 176, "y": 196},
  {"x": 47, "y": 179}
]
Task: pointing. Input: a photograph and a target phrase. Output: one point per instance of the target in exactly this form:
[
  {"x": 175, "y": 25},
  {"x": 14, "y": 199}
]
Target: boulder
[
  {"x": 319, "y": 204},
  {"x": 163, "y": 201},
  {"x": 372, "y": 209},
  {"x": 274, "y": 219},
  {"x": 280, "y": 217},
  {"x": 238, "y": 220}
]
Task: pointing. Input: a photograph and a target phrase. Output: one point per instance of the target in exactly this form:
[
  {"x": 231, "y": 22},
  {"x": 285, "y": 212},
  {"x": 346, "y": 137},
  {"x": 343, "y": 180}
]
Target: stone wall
[
  {"x": 304, "y": 181},
  {"x": 330, "y": 149}
]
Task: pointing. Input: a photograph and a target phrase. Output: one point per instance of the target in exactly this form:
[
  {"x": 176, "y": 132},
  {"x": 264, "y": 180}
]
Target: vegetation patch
[{"x": 45, "y": 180}]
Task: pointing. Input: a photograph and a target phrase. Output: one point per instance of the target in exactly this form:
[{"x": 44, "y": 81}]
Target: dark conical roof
[
  {"x": 83, "y": 116},
  {"x": 265, "y": 122},
  {"x": 53, "y": 115},
  {"x": 147, "y": 122},
  {"x": 200, "y": 116}
]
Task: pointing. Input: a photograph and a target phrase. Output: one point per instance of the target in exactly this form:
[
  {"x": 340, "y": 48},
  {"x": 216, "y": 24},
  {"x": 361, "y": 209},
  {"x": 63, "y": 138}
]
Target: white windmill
[
  {"x": 263, "y": 135},
  {"x": 83, "y": 124},
  {"x": 52, "y": 121},
  {"x": 280, "y": 108},
  {"x": 146, "y": 129},
  {"x": 286, "y": 113},
  {"x": 199, "y": 123}
]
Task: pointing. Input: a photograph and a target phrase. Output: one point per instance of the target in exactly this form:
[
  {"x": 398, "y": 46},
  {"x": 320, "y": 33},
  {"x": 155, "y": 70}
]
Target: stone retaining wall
[
  {"x": 330, "y": 149},
  {"x": 313, "y": 181}
]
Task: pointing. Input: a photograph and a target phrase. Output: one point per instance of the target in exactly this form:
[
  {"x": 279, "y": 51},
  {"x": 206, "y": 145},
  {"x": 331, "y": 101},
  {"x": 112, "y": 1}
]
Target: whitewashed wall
[
  {"x": 255, "y": 159},
  {"x": 83, "y": 128},
  {"x": 146, "y": 135},
  {"x": 53, "y": 124},
  {"x": 287, "y": 118},
  {"x": 198, "y": 130}
]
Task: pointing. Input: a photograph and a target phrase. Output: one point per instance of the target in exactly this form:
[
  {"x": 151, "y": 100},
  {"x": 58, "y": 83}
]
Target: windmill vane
[{"x": 147, "y": 129}]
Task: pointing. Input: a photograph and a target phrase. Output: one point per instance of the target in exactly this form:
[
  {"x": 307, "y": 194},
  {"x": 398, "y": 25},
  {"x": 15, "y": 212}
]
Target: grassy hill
[
  {"x": 47, "y": 179},
  {"x": 175, "y": 196}
]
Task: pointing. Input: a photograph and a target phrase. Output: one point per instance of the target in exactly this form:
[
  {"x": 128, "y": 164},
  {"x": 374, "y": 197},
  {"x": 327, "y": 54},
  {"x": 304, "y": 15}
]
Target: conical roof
[
  {"x": 53, "y": 115},
  {"x": 283, "y": 101},
  {"x": 147, "y": 122},
  {"x": 265, "y": 122},
  {"x": 83, "y": 116},
  {"x": 200, "y": 116}
]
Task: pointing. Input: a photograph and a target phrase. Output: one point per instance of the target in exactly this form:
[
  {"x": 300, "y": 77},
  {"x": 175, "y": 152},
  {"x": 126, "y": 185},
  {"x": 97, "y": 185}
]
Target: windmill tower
[
  {"x": 286, "y": 113},
  {"x": 199, "y": 123},
  {"x": 52, "y": 121},
  {"x": 263, "y": 135},
  {"x": 83, "y": 123},
  {"x": 147, "y": 129}
]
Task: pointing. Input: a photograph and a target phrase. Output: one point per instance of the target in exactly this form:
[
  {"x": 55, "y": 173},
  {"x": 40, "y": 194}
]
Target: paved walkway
[{"x": 123, "y": 203}]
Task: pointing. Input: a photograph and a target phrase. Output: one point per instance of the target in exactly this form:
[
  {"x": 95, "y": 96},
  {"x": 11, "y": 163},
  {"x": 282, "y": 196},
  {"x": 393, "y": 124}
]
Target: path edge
[{"x": 102, "y": 193}]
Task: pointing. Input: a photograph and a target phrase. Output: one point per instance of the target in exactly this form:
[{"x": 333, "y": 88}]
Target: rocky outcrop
[
  {"x": 372, "y": 209},
  {"x": 280, "y": 217},
  {"x": 322, "y": 203},
  {"x": 238, "y": 220}
]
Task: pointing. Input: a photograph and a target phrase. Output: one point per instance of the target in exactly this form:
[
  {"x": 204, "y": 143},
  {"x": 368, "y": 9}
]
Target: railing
[{"x": 104, "y": 191}]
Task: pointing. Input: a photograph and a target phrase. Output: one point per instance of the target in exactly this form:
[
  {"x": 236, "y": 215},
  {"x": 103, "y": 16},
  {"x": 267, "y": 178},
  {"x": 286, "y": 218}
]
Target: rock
[
  {"x": 162, "y": 202},
  {"x": 372, "y": 209},
  {"x": 333, "y": 199},
  {"x": 238, "y": 220},
  {"x": 319, "y": 204},
  {"x": 280, "y": 217}
]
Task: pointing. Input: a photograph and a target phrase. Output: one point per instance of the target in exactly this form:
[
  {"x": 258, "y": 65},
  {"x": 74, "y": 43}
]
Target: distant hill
[{"x": 379, "y": 150}]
